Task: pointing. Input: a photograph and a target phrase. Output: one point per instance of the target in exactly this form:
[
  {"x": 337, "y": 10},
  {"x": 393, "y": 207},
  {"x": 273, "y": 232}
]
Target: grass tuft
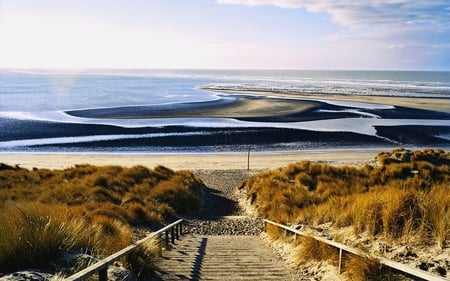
[
  {"x": 46, "y": 213},
  {"x": 143, "y": 259},
  {"x": 311, "y": 249},
  {"x": 32, "y": 235},
  {"x": 405, "y": 197},
  {"x": 408, "y": 194}
]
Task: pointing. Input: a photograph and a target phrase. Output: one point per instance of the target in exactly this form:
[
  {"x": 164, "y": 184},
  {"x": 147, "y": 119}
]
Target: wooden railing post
[
  {"x": 166, "y": 239},
  {"x": 177, "y": 234},
  {"x": 408, "y": 270},
  {"x": 172, "y": 230},
  {"x": 160, "y": 242},
  {"x": 101, "y": 267},
  {"x": 103, "y": 274}
]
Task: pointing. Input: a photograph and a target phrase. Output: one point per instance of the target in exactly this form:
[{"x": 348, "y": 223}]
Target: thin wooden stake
[
  {"x": 173, "y": 235},
  {"x": 248, "y": 159},
  {"x": 103, "y": 274},
  {"x": 166, "y": 238}
]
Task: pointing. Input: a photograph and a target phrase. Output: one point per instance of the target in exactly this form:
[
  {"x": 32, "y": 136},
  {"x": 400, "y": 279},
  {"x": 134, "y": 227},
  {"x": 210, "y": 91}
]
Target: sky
[{"x": 226, "y": 34}]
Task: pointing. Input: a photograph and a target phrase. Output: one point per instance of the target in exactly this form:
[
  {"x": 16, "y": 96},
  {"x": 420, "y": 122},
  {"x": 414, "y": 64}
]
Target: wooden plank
[
  {"x": 410, "y": 270},
  {"x": 386, "y": 262}
]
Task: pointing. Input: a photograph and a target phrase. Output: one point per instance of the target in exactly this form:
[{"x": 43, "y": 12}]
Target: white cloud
[
  {"x": 397, "y": 34},
  {"x": 279, "y": 3},
  {"x": 367, "y": 12}
]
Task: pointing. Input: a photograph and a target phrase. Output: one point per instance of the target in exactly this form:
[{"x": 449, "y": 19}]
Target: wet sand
[
  {"x": 241, "y": 108},
  {"x": 438, "y": 104},
  {"x": 265, "y": 108}
]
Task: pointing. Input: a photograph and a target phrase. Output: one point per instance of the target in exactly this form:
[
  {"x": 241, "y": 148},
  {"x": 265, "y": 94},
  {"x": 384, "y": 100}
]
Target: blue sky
[{"x": 236, "y": 34}]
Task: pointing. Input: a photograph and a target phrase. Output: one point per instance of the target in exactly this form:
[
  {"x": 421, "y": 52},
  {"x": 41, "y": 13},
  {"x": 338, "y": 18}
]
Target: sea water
[{"x": 46, "y": 95}]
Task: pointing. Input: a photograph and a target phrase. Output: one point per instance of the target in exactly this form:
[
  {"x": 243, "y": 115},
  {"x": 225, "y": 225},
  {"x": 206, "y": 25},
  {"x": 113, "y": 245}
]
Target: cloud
[
  {"x": 353, "y": 13},
  {"x": 279, "y": 3},
  {"x": 397, "y": 34}
]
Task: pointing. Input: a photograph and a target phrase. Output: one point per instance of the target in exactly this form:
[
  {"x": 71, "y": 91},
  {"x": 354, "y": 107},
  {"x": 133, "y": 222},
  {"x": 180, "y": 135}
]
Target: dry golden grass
[
  {"x": 143, "y": 259},
  {"x": 365, "y": 269},
  {"x": 406, "y": 195},
  {"x": 311, "y": 249},
  {"x": 46, "y": 213},
  {"x": 31, "y": 235},
  {"x": 436, "y": 207}
]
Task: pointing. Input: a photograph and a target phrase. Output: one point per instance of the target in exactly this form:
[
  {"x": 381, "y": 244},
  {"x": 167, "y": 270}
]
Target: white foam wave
[
  {"x": 338, "y": 87},
  {"x": 444, "y": 136},
  {"x": 87, "y": 139},
  {"x": 366, "y": 114}
]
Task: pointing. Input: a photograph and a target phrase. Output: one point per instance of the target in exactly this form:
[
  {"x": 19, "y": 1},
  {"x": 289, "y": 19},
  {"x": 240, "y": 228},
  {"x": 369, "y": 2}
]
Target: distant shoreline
[{"x": 437, "y": 104}]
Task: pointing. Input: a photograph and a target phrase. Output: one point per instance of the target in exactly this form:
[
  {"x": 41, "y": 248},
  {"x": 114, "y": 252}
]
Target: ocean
[{"x": 38, "y": 111}]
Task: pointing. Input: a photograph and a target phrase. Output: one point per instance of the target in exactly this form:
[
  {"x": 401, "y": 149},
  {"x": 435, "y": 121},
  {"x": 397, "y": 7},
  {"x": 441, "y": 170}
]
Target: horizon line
[{"x": 78, "y": 69}]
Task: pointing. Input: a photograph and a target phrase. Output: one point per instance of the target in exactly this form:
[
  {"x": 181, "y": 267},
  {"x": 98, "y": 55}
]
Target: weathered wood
[
  {"x": 177, "y": 235},
  {"x": 103, "y": 274},
  {"x": 222, "y": 257},
  {"x": 166, "y": 239},
  {"x": 386, "y": 262},
  {"x": 102, "y": 265},
  {"x": 160, "y": 246}
]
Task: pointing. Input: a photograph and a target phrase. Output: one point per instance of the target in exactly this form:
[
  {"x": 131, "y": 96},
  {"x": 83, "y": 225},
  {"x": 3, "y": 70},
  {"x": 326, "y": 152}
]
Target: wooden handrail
[
  {"x": 102, "y": 266},
  {"x": 386, "y": 262}
]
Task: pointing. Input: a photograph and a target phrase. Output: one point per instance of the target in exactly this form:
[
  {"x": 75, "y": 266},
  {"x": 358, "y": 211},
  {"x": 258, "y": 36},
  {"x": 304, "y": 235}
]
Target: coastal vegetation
[
  {"x": 45, "y": 214},
  {"x": 402, "y": 196}
]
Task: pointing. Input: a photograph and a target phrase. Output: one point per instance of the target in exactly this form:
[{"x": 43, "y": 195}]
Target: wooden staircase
[{"x": 221, "y": 258}]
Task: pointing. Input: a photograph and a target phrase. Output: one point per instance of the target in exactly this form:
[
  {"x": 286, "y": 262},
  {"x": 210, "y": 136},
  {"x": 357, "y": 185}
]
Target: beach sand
[{"x": 224, "y": 161}]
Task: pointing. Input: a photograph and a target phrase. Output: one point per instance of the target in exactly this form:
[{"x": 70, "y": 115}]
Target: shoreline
[
  {"x": 192, "y": 161},
  {"x": 266, "y": 120}
]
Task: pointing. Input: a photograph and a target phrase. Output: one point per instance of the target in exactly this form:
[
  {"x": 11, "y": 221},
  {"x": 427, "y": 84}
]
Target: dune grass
[
  {"x": 47, "y": 213},
  {"x": 405, "y": 196}
]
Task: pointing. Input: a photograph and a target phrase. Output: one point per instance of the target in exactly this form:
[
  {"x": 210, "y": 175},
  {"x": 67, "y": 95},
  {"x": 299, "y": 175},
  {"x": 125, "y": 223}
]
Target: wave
[
  {"x": 444, "y": 136},
  {"x": 333, "y": 87},
  {"x": 88, "y": 139}
]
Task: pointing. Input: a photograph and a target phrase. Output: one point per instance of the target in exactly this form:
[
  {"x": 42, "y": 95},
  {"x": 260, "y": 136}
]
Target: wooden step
[{"x": 221, "y": 258}]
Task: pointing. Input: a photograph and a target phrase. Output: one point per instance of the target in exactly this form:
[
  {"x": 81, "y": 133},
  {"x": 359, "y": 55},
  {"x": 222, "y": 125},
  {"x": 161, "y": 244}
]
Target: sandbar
[
  {"x": 243, "y": 107},
  {"x": 437, "y": 104}
]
